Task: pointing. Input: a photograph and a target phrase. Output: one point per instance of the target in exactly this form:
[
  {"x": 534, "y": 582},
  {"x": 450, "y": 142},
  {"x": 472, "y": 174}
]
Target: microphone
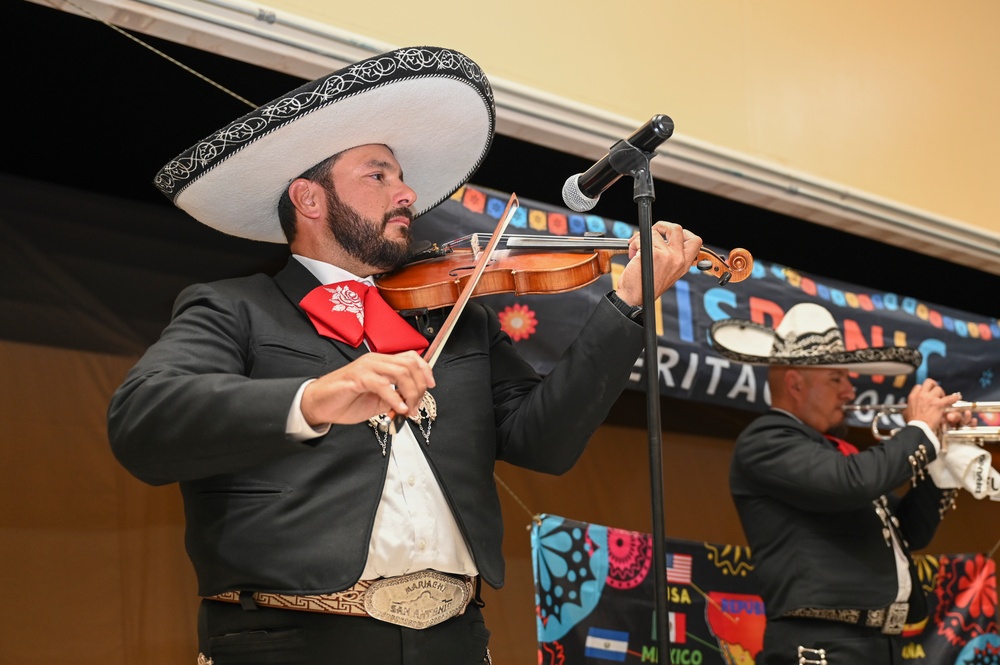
[{"x": 581, "y": 191}]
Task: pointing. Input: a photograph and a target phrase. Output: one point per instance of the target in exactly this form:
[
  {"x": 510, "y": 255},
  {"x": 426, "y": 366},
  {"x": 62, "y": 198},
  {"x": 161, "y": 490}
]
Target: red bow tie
[
  {"x": 845, "y": 447},
  {"x": 352, "y": 311}
]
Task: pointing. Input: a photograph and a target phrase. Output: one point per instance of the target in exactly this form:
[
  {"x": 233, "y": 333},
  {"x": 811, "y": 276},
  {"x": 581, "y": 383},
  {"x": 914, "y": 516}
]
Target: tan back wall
[{"x": 896, "y": 99}]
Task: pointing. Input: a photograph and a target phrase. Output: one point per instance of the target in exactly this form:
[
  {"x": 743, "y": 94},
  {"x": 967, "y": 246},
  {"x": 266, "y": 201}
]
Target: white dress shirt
[{"x": 414, "y": 526}]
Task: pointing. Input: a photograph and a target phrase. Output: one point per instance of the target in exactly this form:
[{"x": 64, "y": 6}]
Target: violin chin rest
[{"x": 423, "y": 249}]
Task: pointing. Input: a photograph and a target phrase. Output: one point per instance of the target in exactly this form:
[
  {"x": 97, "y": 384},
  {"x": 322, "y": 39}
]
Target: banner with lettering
[
  {"x": 959, "y": 349},
  {"x": 594, "y": 601}
]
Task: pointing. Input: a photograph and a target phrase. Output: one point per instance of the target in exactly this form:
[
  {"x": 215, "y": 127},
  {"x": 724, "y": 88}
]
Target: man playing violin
[
  {"x": 318, "y": 536},
  {"x": 829, "y": 538}
]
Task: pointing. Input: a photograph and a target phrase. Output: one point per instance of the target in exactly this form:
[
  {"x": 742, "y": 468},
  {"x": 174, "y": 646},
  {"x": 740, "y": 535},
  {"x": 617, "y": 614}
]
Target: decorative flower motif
[
  {"x": 966, "y": 599},
  {"x": 629, "y": 558},
  {"x": 344, "y": 299},
  {"x": 977, "y": 588},
  {"x": 518, "y": 321}
]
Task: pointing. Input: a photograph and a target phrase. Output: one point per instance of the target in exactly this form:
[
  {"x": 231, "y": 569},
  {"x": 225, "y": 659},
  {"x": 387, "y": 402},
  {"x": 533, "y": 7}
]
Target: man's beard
[{"x": 365, "y": 241}]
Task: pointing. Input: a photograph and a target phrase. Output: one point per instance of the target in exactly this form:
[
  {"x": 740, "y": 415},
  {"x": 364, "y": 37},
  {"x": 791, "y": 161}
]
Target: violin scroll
[{"x": 736, "y": 269}]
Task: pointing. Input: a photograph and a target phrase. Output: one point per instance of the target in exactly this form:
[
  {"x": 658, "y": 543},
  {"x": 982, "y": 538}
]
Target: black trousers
[
  {"x": 230, "y": 635},
  {"x": 845, "y": 644}
]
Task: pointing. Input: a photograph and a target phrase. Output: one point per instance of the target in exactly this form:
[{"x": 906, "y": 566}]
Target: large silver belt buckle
[
  {"x": 418, "y": 600},
  {"x": 895, "y": 618}
]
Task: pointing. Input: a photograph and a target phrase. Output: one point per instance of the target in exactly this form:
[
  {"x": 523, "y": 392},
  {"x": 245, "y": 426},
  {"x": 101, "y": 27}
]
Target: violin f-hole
[{"x": 454, "y": 272}]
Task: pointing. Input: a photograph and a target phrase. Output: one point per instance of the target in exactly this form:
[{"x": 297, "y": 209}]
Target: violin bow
[{"x": 393, "y": 421}]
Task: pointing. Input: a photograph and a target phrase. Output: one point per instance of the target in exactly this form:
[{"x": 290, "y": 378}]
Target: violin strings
[{"x": 547, "y": 241}]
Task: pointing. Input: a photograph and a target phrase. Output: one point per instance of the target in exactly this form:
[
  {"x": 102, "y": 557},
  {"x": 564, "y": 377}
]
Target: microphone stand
[{"x": 626, "y": 159}]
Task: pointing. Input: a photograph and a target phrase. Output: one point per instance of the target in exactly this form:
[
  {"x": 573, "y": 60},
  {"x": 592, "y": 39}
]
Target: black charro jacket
[
  {"x": 816, "y": 540},
  {"x": 206, "y": 406}
]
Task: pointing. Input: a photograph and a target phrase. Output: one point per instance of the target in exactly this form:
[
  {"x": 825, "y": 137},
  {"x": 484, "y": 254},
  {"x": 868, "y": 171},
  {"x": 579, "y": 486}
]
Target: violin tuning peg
[{"x": 703, "y": 265}]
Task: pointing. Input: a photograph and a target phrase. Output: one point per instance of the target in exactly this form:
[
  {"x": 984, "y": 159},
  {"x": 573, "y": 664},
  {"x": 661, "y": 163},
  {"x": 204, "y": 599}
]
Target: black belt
[{"x": 890, "y": 619}]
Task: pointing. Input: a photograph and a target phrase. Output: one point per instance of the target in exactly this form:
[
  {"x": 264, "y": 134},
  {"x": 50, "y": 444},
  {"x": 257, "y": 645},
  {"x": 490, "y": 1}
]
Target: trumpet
[{"x": 976, "y": 435}]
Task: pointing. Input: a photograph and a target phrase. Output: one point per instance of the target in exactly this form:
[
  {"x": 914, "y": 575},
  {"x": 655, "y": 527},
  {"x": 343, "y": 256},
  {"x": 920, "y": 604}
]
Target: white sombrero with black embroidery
[
  {"x": 807, "y": 336},
  {"x": 431, "y": 106}
]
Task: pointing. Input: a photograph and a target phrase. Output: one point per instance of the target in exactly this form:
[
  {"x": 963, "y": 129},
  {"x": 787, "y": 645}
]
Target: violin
[
  {"x": 450, "y": 275},
  {"x": 530, "y": 264}
]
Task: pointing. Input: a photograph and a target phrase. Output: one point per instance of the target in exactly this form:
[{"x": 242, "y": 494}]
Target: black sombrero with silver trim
[
  {"x": 807, "y": 336},
  {"x": 433, "y": 107}
]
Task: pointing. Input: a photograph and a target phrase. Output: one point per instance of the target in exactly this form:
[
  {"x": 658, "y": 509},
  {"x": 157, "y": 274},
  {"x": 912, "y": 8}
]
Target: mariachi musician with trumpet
[
  {"x": 318, "y": 535},
  {"x": 830, "y": 540}
]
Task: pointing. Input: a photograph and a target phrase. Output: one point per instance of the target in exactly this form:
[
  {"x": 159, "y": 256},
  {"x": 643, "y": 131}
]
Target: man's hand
[
  {"x": 928, "y": 401},
  {"x": 674, "y": 252},
  {"x": 373, "y": 384}
]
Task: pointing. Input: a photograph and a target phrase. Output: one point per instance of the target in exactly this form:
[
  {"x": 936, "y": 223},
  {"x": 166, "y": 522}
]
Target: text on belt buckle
[
  {"x": 418, "y": 600},
  {"x": 895, "y": 618}
]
